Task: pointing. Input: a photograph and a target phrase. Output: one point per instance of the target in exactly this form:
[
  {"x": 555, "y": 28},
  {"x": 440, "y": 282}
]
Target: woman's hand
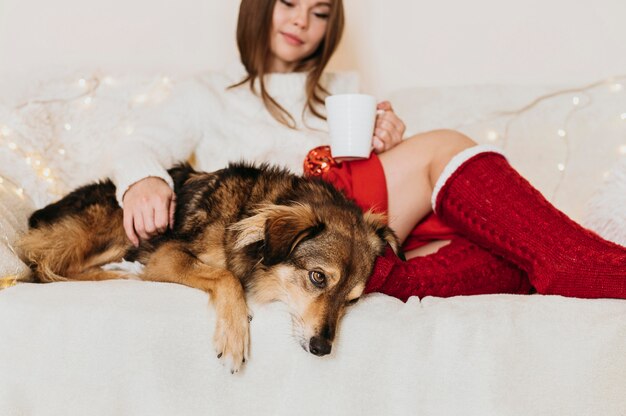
[
  {"x": 388, "y": 130},
  {"x": 149, "y": 206}
]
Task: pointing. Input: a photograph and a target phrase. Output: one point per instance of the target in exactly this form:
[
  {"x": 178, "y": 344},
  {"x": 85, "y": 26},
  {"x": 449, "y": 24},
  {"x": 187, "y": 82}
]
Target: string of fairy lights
[
  {"x": 12, "y": 137},
  {"x": 34, "y": 132},
  {"x": 581, "y": 98},
  {"x": 39, "y": 161}
]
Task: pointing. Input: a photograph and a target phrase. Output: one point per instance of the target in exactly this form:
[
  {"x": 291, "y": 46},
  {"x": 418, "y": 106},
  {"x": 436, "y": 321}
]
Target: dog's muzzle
[{"x": 319, "y": 346}]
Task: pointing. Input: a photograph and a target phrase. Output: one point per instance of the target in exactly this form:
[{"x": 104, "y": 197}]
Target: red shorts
[{"x": 364, "y": 182}]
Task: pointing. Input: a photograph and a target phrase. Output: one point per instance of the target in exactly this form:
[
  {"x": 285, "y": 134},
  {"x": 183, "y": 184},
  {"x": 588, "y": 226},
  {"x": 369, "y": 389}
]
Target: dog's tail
[{"x": 75, "y": 246}]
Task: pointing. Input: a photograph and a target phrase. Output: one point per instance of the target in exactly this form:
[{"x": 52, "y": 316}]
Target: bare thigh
[{"x": 411, "y": 172}]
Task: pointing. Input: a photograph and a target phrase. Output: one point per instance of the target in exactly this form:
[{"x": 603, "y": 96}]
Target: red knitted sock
[
  {"x": 488, "y": 202},
  {"x": 460, "y": 268}
]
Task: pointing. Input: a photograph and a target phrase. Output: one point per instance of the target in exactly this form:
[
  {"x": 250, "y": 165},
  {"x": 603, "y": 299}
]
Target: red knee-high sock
[
  {"x": 488, "y": 202},
  {"x": 460, "y": 268}
]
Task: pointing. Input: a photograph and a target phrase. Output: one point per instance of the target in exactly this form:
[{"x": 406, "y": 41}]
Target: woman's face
[{"x": 298, "y": 27}]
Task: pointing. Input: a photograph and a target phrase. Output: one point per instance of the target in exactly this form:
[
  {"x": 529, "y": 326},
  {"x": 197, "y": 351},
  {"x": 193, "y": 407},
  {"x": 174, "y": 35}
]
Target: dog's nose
[{"x": 319, "y": 346}]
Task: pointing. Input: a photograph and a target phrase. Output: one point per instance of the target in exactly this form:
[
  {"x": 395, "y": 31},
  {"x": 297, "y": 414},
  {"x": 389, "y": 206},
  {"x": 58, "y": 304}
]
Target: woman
[{"x": 500, "y": 235}]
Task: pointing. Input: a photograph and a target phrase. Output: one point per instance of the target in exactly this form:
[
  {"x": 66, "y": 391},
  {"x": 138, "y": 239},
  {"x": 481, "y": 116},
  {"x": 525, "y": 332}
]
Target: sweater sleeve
[{"x": 163, "y": 135}]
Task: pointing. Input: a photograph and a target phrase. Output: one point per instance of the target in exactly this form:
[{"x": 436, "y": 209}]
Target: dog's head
[{"x": 316, "y": 259}]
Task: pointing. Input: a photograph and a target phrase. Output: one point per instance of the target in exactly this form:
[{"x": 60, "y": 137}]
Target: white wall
[{"x": 393, "y": 43}]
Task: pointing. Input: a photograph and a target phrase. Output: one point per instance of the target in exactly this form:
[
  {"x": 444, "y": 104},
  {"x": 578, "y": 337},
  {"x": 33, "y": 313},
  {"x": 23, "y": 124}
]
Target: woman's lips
[{"x": 292, "y": 39}]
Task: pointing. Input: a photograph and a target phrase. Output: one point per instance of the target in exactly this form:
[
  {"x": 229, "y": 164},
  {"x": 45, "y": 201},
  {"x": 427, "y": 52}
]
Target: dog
[{"x": 243, "y": 230}]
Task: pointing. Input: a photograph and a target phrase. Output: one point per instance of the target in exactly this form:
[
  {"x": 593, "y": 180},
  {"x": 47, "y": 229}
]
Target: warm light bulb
[
  {"x": 19, "y": 191},
  {"x": 12, "y": 146},
  {"x": 82, "y": 82},
  {"x": 623, "y": 116},
  {"x": 617, "y": 87},
  {"x": 576, "y": 100},
  {"x": 492, "y": 135},
  {"x": 622, "y": 149},
  {"x": 68, "y": 126},
  {"x": 87, "y": 100},
  {"x": 46, "y": 172},
  {"x": 562, "y": 133},
  {"x": 61, "y": 151},
  {"x": 560, "y": 167},
  {"x": 1, "y": 180}
]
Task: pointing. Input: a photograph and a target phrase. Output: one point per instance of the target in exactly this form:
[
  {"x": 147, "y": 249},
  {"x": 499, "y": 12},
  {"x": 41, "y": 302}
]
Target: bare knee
[
  {"x": 449, "y": 144},
  {"x": 452, "y": 141},
  {"x": 442, "y": 141},
  {"x": 424, "y": 155}
]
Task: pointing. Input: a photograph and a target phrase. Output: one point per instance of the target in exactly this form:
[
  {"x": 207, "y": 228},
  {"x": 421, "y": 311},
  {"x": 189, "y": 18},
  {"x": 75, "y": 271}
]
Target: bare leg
[
  {"x": 411, "y": 171},
  {"x": 426, "y": 249}
]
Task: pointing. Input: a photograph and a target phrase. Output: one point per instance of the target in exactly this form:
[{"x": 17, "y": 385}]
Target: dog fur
[{"x": 242, "y": 230}]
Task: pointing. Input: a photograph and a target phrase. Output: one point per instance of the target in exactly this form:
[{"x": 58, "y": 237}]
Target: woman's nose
[{"x": 301, "y": 18}]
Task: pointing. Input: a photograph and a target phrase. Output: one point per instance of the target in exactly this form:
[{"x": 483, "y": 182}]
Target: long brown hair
[{"x": 253, "y": 39}]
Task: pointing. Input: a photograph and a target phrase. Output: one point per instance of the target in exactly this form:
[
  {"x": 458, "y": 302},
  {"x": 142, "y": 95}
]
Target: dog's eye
[
  {"x": 353, "y": 301},
  {"x": 317, "y": 278}
]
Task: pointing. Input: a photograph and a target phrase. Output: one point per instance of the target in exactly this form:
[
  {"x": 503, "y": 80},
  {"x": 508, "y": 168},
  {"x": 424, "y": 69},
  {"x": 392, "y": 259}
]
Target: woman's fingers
[
  {"x": 391, "y": 120},
  {"x": 161, "y": 217},
  {"x": 172, "y": 210},
  {"x": 389, "y": 129},
  {"x": 140, "y": 229},
  {"x": 149, "y": 229},
  {"x": 148, "y": 209},
  {"x": 129, "y": 227},
  {"x": 378, "y": 144},
  {"x": 387, "y": 132},
  {"x": 384, "y": 105}
]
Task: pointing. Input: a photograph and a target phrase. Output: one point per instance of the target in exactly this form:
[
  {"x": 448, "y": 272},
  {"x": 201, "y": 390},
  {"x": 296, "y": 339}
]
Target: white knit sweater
[{"x": 221, "y": 125}]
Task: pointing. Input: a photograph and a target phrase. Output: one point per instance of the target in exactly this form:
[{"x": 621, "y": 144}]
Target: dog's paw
[{"x": 232, "y": 338}]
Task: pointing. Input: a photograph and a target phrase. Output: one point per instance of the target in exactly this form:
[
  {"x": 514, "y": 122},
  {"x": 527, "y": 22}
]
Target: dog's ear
[
  {"x": 285, "y": 228},
  {"x": 281, "y": 228},
  {"x": 378, "y": 224}
]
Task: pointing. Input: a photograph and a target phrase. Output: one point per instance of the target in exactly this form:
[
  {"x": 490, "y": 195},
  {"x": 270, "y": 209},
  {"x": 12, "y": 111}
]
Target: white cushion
[
  {"x": 606, "y": 212},
  {"x": 526, "y": 121},
  {"x": 14, "y": 210}
]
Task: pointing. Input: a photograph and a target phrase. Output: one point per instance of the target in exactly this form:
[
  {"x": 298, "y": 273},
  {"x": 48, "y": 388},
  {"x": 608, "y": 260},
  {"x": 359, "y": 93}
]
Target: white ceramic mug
[{"x": 351, "y": 119}]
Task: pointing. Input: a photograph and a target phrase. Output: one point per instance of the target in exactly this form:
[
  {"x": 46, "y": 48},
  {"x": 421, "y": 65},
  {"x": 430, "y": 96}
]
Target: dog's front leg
[{"x": 171, "y": 263}]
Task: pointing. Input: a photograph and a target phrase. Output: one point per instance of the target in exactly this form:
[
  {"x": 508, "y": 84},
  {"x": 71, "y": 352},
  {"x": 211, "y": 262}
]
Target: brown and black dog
[{"x": 241, "y": 230}]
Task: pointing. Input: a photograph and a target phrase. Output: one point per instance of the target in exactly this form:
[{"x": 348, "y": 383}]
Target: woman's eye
[
  {"x": 317, "y": 278},
  {"x": 286, "y": 3},
  {"x": 323, "y": 16}
]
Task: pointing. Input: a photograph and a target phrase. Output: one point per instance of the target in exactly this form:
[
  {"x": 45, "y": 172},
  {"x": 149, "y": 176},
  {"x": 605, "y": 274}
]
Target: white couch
[{"x": 142, "y": 348}]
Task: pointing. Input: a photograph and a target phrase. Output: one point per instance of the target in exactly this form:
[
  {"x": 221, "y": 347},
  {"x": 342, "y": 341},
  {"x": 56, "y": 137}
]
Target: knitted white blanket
[{"x": 137, "y": 348}]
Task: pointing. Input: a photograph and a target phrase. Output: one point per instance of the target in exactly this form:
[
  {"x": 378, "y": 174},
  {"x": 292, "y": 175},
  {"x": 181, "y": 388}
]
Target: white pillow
[
  {"x": 15, "y": 208},
  {"x": 606, "y": 211},
  {"x": 562, "y": 148},
  {"x": 52, "y": 139}
]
